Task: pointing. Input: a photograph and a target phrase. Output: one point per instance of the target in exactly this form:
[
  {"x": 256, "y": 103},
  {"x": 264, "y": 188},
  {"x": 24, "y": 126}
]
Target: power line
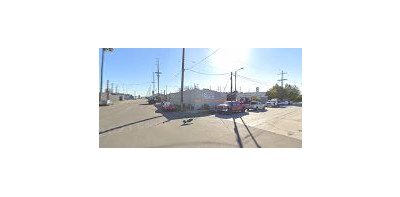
[
  {"x": 174, "y": 77},
  {"x": 137, "y": 84},
  {"x": 226, "y": 83},
  {"x": 253, "y": 80},
  {"x": 207, "y": 73},
  {"x": 203, "y": 59}
]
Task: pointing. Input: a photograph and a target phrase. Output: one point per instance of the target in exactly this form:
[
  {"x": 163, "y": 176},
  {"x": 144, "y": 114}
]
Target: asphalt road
[{"x": 136, "y": 124}]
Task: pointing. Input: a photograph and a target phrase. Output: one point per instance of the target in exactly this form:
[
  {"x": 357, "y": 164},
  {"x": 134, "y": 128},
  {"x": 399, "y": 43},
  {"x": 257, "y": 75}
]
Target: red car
[
  {"x": 167, "y": 106},
  {"x": 230, "y": 107}
]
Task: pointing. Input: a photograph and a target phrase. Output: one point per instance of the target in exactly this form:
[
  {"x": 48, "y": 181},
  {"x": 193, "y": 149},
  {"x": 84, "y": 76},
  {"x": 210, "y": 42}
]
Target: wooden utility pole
[
  {"x": 158, "y": 77},
  {"x": 235, "y": 81},
  {"x": 183, "y": 71},
  {"x": 108, "y": 92},
  {"x": 102, "y": 63},
  {"x": 152, "y": 92},
  {"x": 101, "y": 76},
  {"x": 231, "y": 87}
]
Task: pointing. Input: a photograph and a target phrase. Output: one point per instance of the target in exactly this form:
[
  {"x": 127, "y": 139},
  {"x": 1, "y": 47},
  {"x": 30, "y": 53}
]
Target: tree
[
  {"x": 290, "y": 92},
  {"x": 275, "y": 92}
]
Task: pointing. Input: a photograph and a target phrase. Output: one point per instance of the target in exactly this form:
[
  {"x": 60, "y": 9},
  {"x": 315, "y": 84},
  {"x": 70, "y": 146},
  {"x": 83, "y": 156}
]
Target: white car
[
  {"x": 255, "y": 105},
  {"x": 272, "y": 103},
  {"x": 284, "y": 103},
  {"x": 105, "y": 103}
]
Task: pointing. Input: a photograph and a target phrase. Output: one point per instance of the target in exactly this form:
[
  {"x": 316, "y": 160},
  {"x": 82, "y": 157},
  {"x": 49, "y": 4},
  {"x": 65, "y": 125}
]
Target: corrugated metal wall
[{"x": 197, "y": 98}]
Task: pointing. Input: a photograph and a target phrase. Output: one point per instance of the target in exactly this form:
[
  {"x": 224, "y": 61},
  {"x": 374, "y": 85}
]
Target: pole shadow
[
  {"x": 108, "y": 130},
  {"x": 251, "y": 135},
  {"x": 238, "y": 139}
]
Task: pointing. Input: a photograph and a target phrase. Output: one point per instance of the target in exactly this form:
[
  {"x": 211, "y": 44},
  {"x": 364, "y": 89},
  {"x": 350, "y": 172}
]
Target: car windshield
[{"x": 253, "y": 103}]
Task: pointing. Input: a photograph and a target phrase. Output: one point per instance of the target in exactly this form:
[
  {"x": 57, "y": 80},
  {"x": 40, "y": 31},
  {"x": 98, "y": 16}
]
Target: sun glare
[{"x": 229, "y": 59}]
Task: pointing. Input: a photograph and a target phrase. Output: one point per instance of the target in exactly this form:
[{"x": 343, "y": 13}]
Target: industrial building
[
  {"x": 247, "y": 96},
  {"x": 195, "y": 98}
]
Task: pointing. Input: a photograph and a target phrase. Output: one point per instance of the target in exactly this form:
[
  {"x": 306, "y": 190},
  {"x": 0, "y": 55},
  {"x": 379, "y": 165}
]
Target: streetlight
[
  {"x": 231, "y": 95},
  {"x": 235, "y": 76},
  {"x": 102, "y": 62}
]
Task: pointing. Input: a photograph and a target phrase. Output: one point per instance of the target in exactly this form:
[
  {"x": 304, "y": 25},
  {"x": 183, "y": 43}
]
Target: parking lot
[
  {"x": 284, "y": 120},
  {"x": 136, "y": 124}
]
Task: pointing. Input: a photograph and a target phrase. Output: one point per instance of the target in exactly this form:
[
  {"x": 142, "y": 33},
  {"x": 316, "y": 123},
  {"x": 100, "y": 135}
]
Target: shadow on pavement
[
  {"x": 252, "y": 137},
  {"x": 195, "y": 145},
  {"x": 258, "y": 111},
  {"x": 108, "y": 130},
  {"x": 238, "y": 139},
  {"x": 180, "y": 115},
  {"x": 234, "y": 115}
]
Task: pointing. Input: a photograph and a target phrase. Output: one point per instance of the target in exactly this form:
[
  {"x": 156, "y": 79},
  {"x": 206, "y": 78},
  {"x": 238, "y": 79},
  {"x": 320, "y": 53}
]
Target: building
[
  {"x": 195, "y": 98},
  {"x": 247, "y": 96}
]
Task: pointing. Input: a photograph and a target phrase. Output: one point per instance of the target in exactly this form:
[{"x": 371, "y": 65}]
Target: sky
[{"x": 131, "y": 69}]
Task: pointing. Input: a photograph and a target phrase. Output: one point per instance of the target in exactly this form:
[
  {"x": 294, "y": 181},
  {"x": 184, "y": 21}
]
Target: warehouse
[
  {"x": 248, "y": 96},
  {"x": 196, "y": 99}
]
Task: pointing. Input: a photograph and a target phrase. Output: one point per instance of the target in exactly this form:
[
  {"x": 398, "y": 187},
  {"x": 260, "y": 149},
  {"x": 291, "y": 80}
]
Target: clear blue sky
[{"x": 127, "y": 67}]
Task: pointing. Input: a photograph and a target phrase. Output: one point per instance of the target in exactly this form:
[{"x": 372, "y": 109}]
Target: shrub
[{"x": 205, "y": 107}]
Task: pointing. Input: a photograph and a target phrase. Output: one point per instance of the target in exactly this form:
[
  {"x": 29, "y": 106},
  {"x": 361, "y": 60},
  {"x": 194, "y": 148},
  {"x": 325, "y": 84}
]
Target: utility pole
[
  {"x": 101, "y": 76},
  {"x": 108, "y": 92},
  {"x": 282, "y": 79},
  {"x": 235, "y": 81},
  {"x": 183, "y": 74},
  {"x": 152, "y": 92},
  {"x": 158, "y": 77},
  {"x": 102, "y": 63},
  {"x": 231, "y": 87}
]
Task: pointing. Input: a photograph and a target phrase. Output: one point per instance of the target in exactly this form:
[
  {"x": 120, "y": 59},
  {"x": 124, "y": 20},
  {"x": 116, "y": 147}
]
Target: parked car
[
  {"x": 272, "y": 103},
  {"x": 151, "y": 100},
  {"x": 167, "y": 106},
  {"x": 105, "y": 103},
  {"x": 284, "y": 103},
  {"x": 255, "y": 105},
  {"x": 230, "y": 107}
]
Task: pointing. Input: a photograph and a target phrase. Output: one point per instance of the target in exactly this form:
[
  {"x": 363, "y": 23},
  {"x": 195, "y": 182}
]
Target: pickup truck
[
  {"x": 255, "y": 105},
  {"x": 230, "y": 106}
]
